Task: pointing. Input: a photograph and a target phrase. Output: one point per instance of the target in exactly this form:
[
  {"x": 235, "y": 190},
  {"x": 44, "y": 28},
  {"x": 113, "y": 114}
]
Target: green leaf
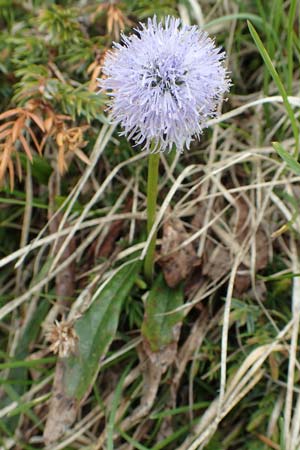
[
  {"x": 287, "y": 158},
  {"x": 270, "y": 66},
  {"x": 96, "y": 330},
  {"x": 159, "y": 319}
]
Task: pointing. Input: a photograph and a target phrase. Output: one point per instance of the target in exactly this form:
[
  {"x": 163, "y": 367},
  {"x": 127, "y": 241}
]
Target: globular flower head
[{"x": 165, "y": 81}]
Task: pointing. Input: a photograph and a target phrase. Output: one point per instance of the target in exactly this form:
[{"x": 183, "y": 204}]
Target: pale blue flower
[{"x": 165, "y": 81}]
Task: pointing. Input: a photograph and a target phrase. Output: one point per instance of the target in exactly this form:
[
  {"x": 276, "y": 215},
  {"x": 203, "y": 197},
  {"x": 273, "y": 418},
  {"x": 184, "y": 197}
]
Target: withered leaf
[
  {"x": 62, "y": 410},
  {"x": 217, "y": 263},
  {"x": 176, "y": 263}
]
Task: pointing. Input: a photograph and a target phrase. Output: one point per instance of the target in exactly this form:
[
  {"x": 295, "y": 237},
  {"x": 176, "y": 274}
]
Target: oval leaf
[
  {"x": 158, "y": 325},
  {"x": 96, "y": 330}
]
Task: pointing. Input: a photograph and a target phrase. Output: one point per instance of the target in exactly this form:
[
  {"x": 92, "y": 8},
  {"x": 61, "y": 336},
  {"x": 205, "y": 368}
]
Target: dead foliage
[
  {"x": 17, "y": 131},
  {"x": 223, "y": 245},
  {"x": 116, "y": 20},
  {"x": 62, "y": 409},
  {"x": 177, "y": 262},
  {"x": 29, "y": 129}
]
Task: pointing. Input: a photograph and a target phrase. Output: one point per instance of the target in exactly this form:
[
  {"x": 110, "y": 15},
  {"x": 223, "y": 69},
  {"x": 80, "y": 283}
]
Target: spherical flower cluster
[{"x": 165, "y": 82}]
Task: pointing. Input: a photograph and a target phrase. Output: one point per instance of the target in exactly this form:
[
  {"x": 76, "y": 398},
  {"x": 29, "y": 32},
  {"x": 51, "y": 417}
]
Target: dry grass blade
[
  {"x": 93, "y": 200},
  {"x": 243, "y": 381}
]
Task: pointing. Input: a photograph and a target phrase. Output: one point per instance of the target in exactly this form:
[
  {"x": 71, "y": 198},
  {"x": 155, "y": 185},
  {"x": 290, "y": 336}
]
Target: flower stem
[{"x": 153, "y": 164}]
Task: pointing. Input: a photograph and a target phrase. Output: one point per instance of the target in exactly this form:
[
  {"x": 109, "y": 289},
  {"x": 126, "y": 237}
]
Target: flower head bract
[{"x": 165, "y": 81}]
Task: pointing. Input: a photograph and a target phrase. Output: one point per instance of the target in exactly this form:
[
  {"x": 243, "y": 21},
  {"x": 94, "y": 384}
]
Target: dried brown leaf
[
  {"x": 17, "y": 128},
  {"x": 8, "y": 148},
  {"x": 61, "y": 163},
  {"x": 18, "y": 167},
  {"x": 241, "y": 221},
  {"x": 37, "y": 120},
  {"x": 6, "y": 125},
  {"x": 82, "y": 156},
  {"x": 10, "y": 113},
  {"x": 60, "y": 139},
  {"x": 262, "y": 247},
  {"x": 26, "y": 147},
  {"x": 43, "y": 142},
  {"x": 177, "y": 264},
  {"x": 35, "y": 141},
  {"x": 62, "y": 410},
  {"x": 154, "y": 365},
  {"x": 48, "y": 123},
  {"x": 5, "y": 133},
  {"x": 217, "y": 262},
  {"x": 11, "y": 174},
  {"x": 91, "y": 67}
]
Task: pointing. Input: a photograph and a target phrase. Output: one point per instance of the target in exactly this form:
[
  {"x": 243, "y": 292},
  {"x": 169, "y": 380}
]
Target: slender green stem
[{"x": 151, "y": 210}]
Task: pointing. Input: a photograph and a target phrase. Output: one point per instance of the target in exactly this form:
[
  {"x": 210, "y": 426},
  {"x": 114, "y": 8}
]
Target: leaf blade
[
  {"x": 159, "y": 319},
  {"x": 96, "y": 330},
  {"x": 273, "y": 72}
]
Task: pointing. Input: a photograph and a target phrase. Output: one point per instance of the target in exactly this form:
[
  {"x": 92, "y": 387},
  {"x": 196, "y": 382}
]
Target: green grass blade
[
  {"x": 291, "y": 20},
  {"x": 24, "y": 407},
  {"x": 132, "y": 441},
  {"x": 179, "y": 410},
  {"x": 287, "y": 158},
  {"x": 29, "y": 363},
  {"x": 265, "y": 56},
  {"x": 172, "y": 437}
]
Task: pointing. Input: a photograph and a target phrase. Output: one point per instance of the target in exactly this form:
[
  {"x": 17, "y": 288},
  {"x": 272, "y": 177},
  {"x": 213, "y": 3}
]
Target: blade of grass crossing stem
[
  {"x": 22, "y": 408},
  {"x": 113, "y": 412},
  {"x": 287, "y": 158},
  {"x": 28, "y": 364},
  {"x": 177, "y": 434},
  {"x": 265, "y": 56},
  {"x": 179, "y": 410},
  {"x": 13, "y": 395}
]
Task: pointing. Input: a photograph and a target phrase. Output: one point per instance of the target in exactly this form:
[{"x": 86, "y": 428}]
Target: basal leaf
[
  {"x": 96, "y": 330},
  {"x": 158, "y": 326}
]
